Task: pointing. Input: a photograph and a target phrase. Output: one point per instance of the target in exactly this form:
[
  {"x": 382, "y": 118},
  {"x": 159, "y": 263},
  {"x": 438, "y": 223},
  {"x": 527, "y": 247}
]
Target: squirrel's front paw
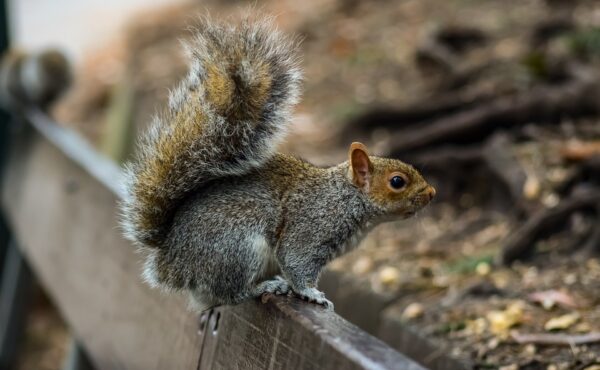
[{"x": 315, "y": 296}]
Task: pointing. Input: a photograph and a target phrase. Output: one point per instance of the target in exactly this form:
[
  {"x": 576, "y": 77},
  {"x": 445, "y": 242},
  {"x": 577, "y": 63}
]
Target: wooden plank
[
  {"x": 79, "y": 151},
  {"x": 354, "y": 300},
  {"x": 66, "y": 223},
  {"x": 286, "y": 333},
  {"x": 413, "y": 342}
]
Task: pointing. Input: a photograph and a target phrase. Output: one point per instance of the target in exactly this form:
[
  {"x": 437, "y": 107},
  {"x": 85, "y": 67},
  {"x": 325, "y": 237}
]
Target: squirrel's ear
[{"x": 361, "y": 165}]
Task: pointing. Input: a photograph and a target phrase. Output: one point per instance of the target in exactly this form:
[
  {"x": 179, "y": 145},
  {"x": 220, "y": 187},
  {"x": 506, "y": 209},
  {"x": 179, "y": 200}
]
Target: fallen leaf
[
  {"x": 476, "y": 327},
  {"x": 551, "y": 200},
  {"x": 593, "y": 264},
  {"x": 493, "y": 343},
  {"x": 579, "y": 151},
  {"x": 441, "y": 281},
  {"x": 483, "y": 268},
  {"x": 389, "y": 276},
  {"x": 570, "y": 279},
  {"x": 413, "y": 310},
  {"x": 501, "y": 279},
  {"x": 582, "y": 327},
  {"x": 556, "y": 339},
  {"x": 501, "y": 321},
  {"x": 362, "y": 266},
  {"x": 549, "y": 298},
  {"x": 530, "y": 349},
  {"x": 532, "y": 187},
  {"x": 562, "y": 322}
]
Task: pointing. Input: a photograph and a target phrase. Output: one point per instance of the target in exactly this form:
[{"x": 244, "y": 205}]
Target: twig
[
  {"x": 591, "y": 246},
  {"x": 548, "y": 104},
  {"x": 556, "y": 339},
  {"x": 546, "y": 222},
  {"x": 581, "y": 151},
  {"x": 587, "y": 171},
  {"x": 429, "y": 110}
]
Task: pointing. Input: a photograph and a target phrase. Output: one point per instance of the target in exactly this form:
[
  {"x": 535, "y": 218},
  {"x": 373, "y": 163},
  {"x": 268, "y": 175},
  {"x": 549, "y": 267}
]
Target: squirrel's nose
[{"x": 430, "y": 191}]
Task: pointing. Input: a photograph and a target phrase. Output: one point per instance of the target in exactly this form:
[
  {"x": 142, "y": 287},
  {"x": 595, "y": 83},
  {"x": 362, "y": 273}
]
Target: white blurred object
[{"x": 73, "y": 26}]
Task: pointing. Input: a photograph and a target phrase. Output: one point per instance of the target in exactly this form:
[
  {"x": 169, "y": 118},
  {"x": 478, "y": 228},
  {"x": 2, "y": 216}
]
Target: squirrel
[{"x": 219, "y": 212}]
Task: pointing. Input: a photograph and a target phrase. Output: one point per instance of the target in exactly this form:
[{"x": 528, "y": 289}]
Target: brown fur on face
[{"x": 375, "y": 182}]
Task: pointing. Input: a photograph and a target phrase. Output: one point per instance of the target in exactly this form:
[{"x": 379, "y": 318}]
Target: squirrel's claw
[{"x": 314, "y": 295}]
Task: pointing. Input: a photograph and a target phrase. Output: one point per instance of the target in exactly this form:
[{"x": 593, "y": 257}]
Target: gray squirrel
[{"x": 218, "y": 211}]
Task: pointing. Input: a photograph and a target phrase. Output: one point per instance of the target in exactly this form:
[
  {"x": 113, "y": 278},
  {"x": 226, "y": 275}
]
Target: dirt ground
[
  {"x": 443, "y": 266},
  {"x": 46, "y": 337}
]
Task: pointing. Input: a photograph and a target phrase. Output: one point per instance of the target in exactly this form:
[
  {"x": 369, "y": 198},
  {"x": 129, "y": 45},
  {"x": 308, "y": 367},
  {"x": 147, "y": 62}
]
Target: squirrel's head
[{"x": 392, "y": 185}]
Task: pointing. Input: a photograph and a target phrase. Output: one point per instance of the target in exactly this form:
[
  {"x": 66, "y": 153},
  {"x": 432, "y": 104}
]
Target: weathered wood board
[
  {"x": 65, "y": 221},
  {"x": 286, "y": 333}
]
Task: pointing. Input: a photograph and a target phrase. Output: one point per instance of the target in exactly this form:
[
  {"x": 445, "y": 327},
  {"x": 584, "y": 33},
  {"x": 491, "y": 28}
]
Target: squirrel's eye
[{"x": 397, "y": 182}]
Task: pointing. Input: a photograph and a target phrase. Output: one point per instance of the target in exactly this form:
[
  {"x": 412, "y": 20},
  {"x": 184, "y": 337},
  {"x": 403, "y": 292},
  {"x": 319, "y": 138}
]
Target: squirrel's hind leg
[
  {"x": 303, "y": 270},
  {"x": 277, "y": 285},
  {"x": 199, "y": 302}
]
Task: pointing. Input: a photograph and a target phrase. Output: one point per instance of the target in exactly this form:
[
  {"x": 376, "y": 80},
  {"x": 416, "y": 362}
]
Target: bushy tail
[{"x": 225, "y": 118}]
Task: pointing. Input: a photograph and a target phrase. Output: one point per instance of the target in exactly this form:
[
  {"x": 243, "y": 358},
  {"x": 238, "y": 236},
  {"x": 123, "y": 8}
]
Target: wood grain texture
[
  {"x": 66, "y": 223},
  {"x": 286, "y": 333}
]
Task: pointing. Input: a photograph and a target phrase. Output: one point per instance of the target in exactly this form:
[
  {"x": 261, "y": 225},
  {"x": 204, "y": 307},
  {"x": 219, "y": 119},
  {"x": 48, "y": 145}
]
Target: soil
[{"x": 46, "y": 337}]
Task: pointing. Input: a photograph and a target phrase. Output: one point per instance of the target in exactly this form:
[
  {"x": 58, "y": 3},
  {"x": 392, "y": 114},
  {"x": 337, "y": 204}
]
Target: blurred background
[{"x": 496, "y": 102}]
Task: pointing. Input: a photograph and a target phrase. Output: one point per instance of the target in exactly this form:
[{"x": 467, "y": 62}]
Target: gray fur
[{"x": 210, "y": 250}]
